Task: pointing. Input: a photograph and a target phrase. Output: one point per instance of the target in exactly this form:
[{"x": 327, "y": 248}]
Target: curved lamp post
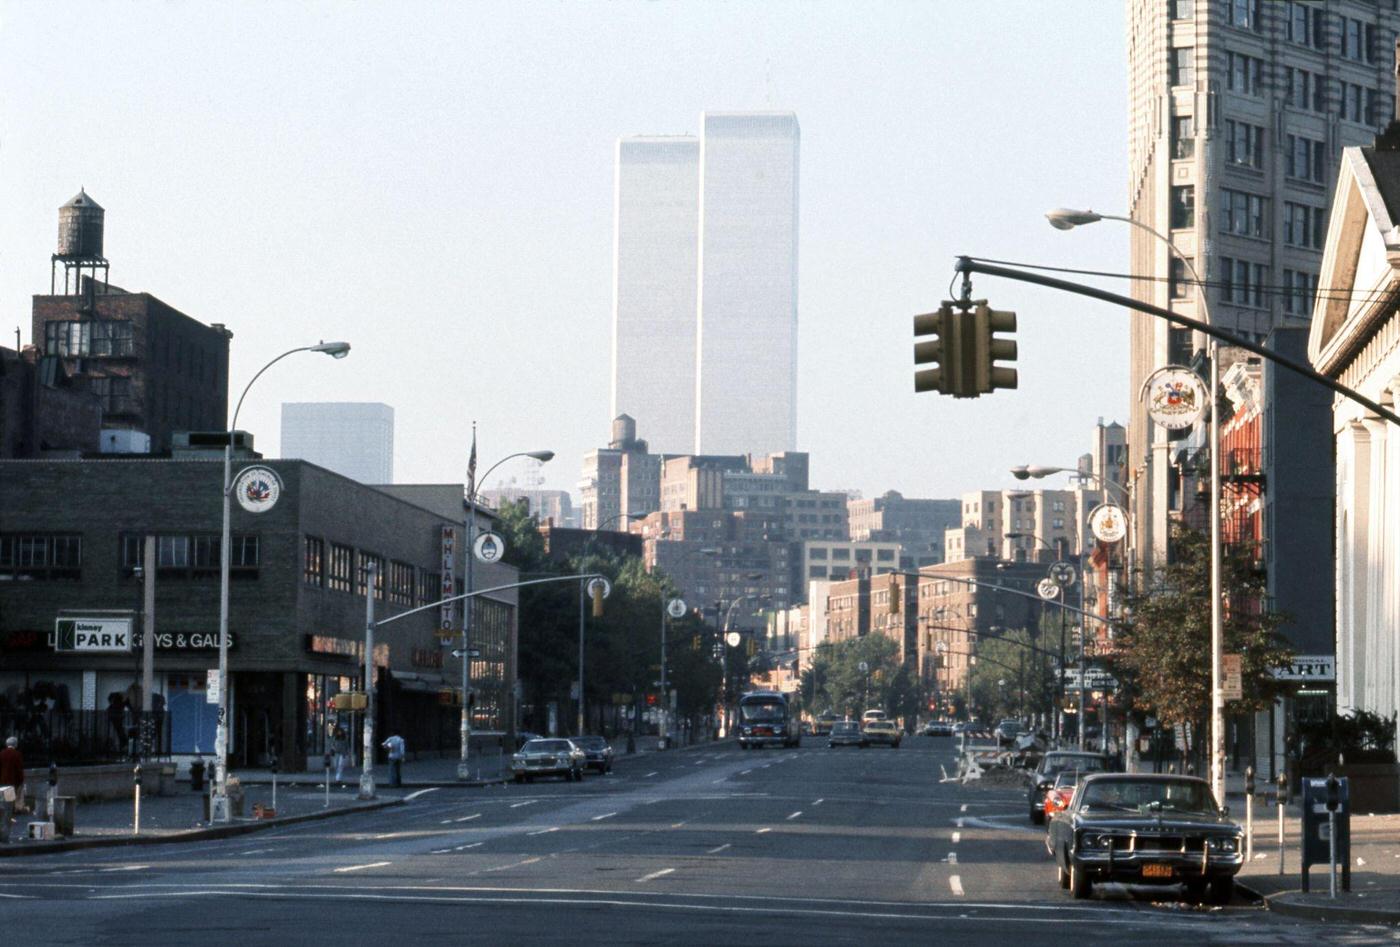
[
  {"x": 1064, "y": 218},
  {"x": 665, "y": 695},
  {"x": 468, "y": 604},
  {"x": 218, "y": 808}
]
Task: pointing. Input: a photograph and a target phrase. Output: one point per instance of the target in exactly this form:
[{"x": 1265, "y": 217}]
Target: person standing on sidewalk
[
  {"x": 340, "y": 746},
  {"x": 11, "y": 775},
  {"x": 395, "y": 746}
]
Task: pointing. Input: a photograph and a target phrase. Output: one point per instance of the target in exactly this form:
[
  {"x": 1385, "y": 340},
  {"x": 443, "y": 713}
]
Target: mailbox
[{"x": 1316, "y": 826}]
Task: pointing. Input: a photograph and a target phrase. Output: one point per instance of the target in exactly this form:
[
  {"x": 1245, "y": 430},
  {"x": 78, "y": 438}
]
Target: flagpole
[{"x": 463, "y": 766}]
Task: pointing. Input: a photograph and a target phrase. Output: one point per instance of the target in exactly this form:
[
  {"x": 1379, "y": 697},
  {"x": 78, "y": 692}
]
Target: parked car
[
  {"x": 824, "y": 722},
  {"x": 1051, "y": 765},
  {"x": 1146, "y": 829},
  {"x": 548, "y": 757},
  {"x": 938, "y": 728},
  {"x": 881, "y": 732},
  {"x": 846, "y": 733},
  {"x": 523, "y": 737},
  {"x": 1057, "y": 797},
  {"x": 1009, "y": 729},
  {"x": 597, "y": 754},
  {"x": 870, "y": 715}
]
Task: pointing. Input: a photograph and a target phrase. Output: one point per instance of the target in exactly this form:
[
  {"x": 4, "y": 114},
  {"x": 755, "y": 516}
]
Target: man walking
[
  {"x": 340, "y": 746},
  {"x": 11, "y": 782},
  {"x": 395, "y": 746}
]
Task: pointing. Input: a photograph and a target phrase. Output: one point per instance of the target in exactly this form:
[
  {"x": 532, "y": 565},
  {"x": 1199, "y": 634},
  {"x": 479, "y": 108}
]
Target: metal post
[
  {"x": 327, "y": 762},
  {"x": 367, "y": 770},
  {"x": 465, "y": 727},
  {"x": 662, "y": 704},
  {"x": 1217, "y": 692},
  {"x": 1248, "y": 814},
  {"x": 1332, "y": 850},
  {"x": 1082, "y": 721},
  {"x": 218, "y": 800},
  {"x": 136, "y": 816},
  {"x": 581, "y": 596},
  {"x": 1060, "y": 683},
  {"x": 1282, "y": 799},
  {"x": 148, "y": 643}
]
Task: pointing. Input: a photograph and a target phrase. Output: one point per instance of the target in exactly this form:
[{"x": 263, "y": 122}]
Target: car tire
[
  {"x": 1080, "y": 887},
  {"x": 1061, "y": 875},
  {"x": 519, "y": 778},
  {"x": 1196, "y": 889},
  {"x": 1222, "y": 890},
  {"x": 1037, "y": 817}
]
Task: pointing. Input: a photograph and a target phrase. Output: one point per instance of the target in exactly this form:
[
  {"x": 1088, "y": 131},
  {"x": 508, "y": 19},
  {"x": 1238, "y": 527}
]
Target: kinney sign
[{"x": 1176, "y": 398}]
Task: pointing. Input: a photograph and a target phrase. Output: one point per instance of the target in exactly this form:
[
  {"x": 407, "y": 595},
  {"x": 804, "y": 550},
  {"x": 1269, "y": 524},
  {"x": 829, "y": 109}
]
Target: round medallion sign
[
  {"x": 490, "y": 547},
  {"x": 1176, "y": 398},
  {"x": 257, "y": 489},
  {"x": 1108, "y": 523},
  {"x": 1048, "y": 588},
  {"x": 676, "y": 608}
]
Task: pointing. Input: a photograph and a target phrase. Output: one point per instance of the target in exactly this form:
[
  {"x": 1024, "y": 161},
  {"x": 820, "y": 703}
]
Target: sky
[{"x": 433, "y": 182}]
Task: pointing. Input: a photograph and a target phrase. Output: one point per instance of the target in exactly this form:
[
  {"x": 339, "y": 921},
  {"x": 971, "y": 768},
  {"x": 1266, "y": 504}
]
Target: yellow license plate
[{"x": 1156, "y": 871}]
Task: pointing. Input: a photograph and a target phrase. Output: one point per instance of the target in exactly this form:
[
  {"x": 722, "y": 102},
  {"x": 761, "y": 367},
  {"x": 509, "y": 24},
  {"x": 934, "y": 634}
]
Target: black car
[
  {"x": 1149, "y": 830},
  {"x": 1051, "y": 765},
  {"x": 596, "y": 752}
]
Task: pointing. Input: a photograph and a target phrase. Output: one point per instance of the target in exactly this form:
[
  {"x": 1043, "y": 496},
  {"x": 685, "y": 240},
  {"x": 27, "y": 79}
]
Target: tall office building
[
  {"x": 355, "y": 439},
  {"x": 655, "y": 221},
  {"x": 705, "y": 285},
  {"x": 1238, "y": 114}
]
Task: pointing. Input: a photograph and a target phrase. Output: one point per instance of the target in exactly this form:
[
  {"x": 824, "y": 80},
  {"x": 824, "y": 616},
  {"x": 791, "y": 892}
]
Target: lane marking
[
  {"x": 745, "y": 772},
  {"x": 552, "y": 828},
  {"x": 649, "y": 775},
  {"x": 468, "y": 818},
  {"x": 958, "y": 823},
  {"x": 463, "y": 848},
  {"x": 955, "y": 883},
  {"x": 393, "y": 835},
  {"x": 255, "y": 851},
  {"x": 528, "y": 802},
  {"x": 519, "y": 864},
  {"x": 952, "y": 858},
  {"x": 794, "y": 815},
  {"x": 126, "y": 868},
  {"x": 363, "y": 867},
  {"x": 605, "y": 815},
  {"x": 964, "y": 807},
  {"x": 957, "y": 837},
  {"x": 440, "y": 851},
  {"x": 414, "y": 795},
  {"x": 656, "y": 874},
  {"x": 819, "y": 801},
  {"x": 762, "y": 830},
  {"x": 723, "y": 778},
  {"x": 717, "y": 849},
  {"x": 676, "y": 825}
]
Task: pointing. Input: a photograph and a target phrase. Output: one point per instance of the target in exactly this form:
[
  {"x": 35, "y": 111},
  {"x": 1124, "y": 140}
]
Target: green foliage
[
  {"x": 1165, "y": 649},
  {"x": 835, "y": 682},
  {"x": 1013, "y": 676}
]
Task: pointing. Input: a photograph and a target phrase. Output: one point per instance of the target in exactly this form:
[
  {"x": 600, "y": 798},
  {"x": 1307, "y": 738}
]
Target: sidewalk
[{"x": 179, "y": 817}]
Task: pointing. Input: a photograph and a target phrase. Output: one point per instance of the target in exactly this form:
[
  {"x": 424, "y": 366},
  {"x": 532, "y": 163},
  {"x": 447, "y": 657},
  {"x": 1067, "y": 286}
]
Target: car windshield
[
  {"x": 762, "y": 711},
  {"x": 591, "y": 743},
  {"x": 547, "y": 746},
  {"x": 879, "y": 725},
  {"x": 845, "y": 727},
  {"x": 1055, "y": 764},
  {"x": 1139, "y": 795}
]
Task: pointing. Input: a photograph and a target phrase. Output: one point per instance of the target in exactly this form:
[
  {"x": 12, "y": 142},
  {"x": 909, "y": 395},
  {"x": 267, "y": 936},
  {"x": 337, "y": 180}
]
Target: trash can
[
  {"x": 166, "y": 785},
  {"x": 1316, "y": 828},
  {"x": 197, "y": 775},
  {"x": 64, "y": 810}
]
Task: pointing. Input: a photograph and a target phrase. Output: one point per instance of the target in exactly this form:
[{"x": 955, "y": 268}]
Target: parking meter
[
  {"x": 1334, "y": 795},
  {"x": 1326, "y": 827},
  {"x": 1248, "y": 814}
]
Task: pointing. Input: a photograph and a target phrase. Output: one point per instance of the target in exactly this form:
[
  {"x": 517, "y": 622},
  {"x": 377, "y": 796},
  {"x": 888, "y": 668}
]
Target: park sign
[{"x": 93, "y": 634}]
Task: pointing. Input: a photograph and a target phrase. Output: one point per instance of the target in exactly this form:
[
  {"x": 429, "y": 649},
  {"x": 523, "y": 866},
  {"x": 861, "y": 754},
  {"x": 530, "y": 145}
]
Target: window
[
  {"x": 244, "y": 553},
  {"x": 172, "y": 552},
  {"x": 1183, "y": 9},
  {"x": 1353, "y": 37},
  {"x": 818, "y": 553},
  {"x": 1243, "y": 14},
  {"x": 366, "y": 559},
  {"x": 1181, "y": 279},
  {"x": 1242, "y": 283},
  {"x": 1351, "y": 106},
  {"x": 1244, "y": 144},
  {"x": 193, "y": 555},
  {"x": 1304, "y": 90},
  {"x": 1183, "y": 209},
  {"x": 114, "y": 391},
  {"x": 1305, "y": 159},
  {"x": 1242, "y": 213},
  {"x": 1183, "y": 136},
  {"x": 90, "y": 338},
  {"x": 1376, "y": 115},
  {"x": 1184, "y": 65},
  {"x": 429, "y": 587},
  {"x": 1244, "y": 74},
  {"x": 400, "y": 583},
  {"x": 313, "y": 561},
  {"x": 884, "y": 555},
  {"x": 1299, "y": 292},
  {"x": 41, "y": 556},
  {"x": 1303, "y": 226},
  {"x": 1306, "y": 25},
  {"x": 341, "y": 566},
  {"x": 1057, "y": 523},
  {"x": 1058, "y": 506},
  {"x": 841, "y": 554}
]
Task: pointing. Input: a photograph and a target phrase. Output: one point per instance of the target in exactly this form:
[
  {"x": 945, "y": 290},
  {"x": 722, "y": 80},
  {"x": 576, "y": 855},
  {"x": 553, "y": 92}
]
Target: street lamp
[
  {"x": 468, "y": 603},
  {"x": 582, "y": 599},
  {"x": 665, "y": 602},
  {"x": 218, "y": 808},
  {"x": 1064, "y": 219}
]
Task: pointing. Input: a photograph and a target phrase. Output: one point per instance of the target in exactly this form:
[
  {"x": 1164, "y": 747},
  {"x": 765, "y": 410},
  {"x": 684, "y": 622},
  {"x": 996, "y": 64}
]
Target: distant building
[
  {"x": 917, "y": 525},
  {"x": 1022, "y": 525},
  {"x": 546, "y": 506},
  {"x": 45, "y": 411},
  {"x": 355, "y": 439},
  {"x": 838, "y": 559},
  {"x": 620, "y": 480}
]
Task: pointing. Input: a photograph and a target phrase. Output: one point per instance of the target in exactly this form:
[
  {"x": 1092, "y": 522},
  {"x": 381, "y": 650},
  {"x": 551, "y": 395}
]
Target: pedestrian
[
  {"x": 395, "y": 747},
  {"x": 12, "y": 779},
  {"x": 340, "y": 746}
]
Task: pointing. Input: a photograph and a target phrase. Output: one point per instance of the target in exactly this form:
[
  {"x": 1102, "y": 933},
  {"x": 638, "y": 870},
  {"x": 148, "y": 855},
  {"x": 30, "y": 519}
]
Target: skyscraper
[
  {"x": 705, "y": 285},
  {"x": 355, "y": 439},
  {"x": 1238, "y": 114}
]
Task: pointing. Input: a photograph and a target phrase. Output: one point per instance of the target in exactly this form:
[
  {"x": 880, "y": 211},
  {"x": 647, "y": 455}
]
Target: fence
[{"x": 85, "y": 736}]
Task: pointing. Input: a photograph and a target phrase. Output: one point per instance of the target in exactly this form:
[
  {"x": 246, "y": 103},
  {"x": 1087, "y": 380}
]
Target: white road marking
[
  {"x": 676, "y": 825},
  {"x": 745, "y": 772},
  {"x": 952, "y": 858},
  {"x": 958, "y": 823},
  {"x": 762, "y": 830},
  {"x": 794, "y": 815},
  {"x": 445, "y": 822},
  {"x": 964, "y": 807},
  {"x": 819, "y": 801},
  {"x": 126, "y": 868},
  {"x": 392, "y": 835},
  {"x": 363, "y": 867},
  {"x": 656, "y": 874},
  {"x": 649, "y": 775},
  {"x": 468, "y": 818},
  {"x": 605, "y": 815},
  {"x": 956, "y": 884},
  {"x": 414, "y": 795},
  {"x": 723, "y": 778},
  {"x": 463, "y": 848},
  {"x": 552, "y": 828},
  {"x": 255, "y": 851},
  {"x": 717, "y": 849},
  {"x": 957, "y": 837},
  {"x": 440, "y": 851},
  {"x": 528, "y": 802},
  {"x": 519, "y": 864}
]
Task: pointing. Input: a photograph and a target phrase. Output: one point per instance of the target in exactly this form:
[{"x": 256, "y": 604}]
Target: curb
[
  {"x": 190, "y": 835},
  {"x": 318, "y": 782},
  {"x": 1281, "y": 903}
]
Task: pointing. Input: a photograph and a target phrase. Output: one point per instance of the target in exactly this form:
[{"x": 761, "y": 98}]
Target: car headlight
[
  {"x": 517, "y": 758},
  {"x": 1096, "y": 842},
  {"x": 1224, "y": 844}
]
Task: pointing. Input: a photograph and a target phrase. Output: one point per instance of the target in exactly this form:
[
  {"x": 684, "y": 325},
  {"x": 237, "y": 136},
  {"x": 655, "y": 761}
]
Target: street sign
[
  {"x": 211, "y": 686},
  {"x": 93, "y": 634},
  {"x": 1176, "y": 397},
  {"x": 257, "y": 488},
  {"x": 489, "y": 547},
  {"x": 1108, "y": 523},
  {"x": 1309, "y": 667},
  {"x": 1062, "y": 573},
  {"x": 470, "y": 652},
  {"x": 1097, "y": 679},
  {"x": 1232, "y": 682},
  {"x": 676, "y": 608},
  {"x": 1048, "y": 589}
]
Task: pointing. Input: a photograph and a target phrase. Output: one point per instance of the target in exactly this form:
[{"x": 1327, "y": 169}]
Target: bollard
[
  {"x": 274, "y": 783},
  {"x": 1282, "y": 801},
  {"x": 136, "y": 818},
  {"x": 1333, "y": 799},
  {"x": 1248, "y": 814},
  {"x": 327, "y": 762}
]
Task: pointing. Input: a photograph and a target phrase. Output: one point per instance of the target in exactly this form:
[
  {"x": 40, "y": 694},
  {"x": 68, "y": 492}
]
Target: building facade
[{"x": 355, "y": 439}]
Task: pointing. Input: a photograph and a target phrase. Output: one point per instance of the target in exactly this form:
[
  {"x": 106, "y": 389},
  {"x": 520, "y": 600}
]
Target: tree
[
  {"x": 837, "y": 683},
  {"x": 1165, "y": 646},
  {"x": 1011, "y": 676}
]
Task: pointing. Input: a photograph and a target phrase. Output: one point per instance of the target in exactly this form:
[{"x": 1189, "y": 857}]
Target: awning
[{"x": 422, "y": 683}]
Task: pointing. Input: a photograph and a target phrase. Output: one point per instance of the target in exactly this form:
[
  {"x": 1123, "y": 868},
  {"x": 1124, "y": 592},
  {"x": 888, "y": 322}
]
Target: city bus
[{"x": 766, "y": 719}]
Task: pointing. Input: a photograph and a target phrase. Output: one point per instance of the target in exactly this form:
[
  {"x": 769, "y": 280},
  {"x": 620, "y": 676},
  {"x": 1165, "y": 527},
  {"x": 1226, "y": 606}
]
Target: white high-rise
[
  {"x": 705, "y": 285},
  {"x": 355, "y": 439}
]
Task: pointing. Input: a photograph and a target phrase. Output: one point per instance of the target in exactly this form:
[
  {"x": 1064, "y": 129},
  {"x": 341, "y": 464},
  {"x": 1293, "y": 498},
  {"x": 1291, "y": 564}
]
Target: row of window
[
  {"x": 1304, "y": 158},
  {"x": 178, "y": 555},
  {"x": 1243, "y": 283},
  {"x": 88, "y": 339},
  {"x": 343, "y": 568},
  {"x": 861, "y": 555},
  {"x": 1246, "y": 215},
  {"x": 1303, "y": 89},
  {"x": 1303, "y": 23}
]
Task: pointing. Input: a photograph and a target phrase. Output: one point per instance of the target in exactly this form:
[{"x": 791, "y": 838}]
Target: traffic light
[
  {"x": 989, "y": 349},
  {"x": 951, "y": 350}
]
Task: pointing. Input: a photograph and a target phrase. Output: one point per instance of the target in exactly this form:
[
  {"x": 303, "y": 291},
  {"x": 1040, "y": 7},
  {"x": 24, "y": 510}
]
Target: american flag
[{"x": 471, "y": 466}]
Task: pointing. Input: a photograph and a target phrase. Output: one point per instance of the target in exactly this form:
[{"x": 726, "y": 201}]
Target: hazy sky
[{"x": 433, "y": 183}]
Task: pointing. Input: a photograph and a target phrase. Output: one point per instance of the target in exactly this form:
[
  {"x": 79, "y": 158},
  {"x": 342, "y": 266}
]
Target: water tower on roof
[{"x": 79, "y": 244}]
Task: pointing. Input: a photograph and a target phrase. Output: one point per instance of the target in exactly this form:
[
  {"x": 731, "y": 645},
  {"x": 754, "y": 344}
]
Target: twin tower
[{"x": 704, "y": 340}]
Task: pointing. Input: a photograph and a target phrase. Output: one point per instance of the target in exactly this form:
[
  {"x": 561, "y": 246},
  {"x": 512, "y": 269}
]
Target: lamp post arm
[{"x": 233, "y": 425}]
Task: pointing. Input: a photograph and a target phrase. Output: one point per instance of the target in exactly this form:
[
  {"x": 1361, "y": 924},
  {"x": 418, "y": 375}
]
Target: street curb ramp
[{"x": 190, "y": 835}]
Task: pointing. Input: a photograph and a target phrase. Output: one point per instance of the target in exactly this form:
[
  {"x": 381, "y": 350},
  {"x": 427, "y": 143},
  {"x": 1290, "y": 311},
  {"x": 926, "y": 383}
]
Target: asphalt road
[{"x": 808, "y": 846}]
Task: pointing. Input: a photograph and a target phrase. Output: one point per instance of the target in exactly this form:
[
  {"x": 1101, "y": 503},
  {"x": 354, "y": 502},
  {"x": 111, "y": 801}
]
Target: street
[{"x": 807, "y": 846}]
